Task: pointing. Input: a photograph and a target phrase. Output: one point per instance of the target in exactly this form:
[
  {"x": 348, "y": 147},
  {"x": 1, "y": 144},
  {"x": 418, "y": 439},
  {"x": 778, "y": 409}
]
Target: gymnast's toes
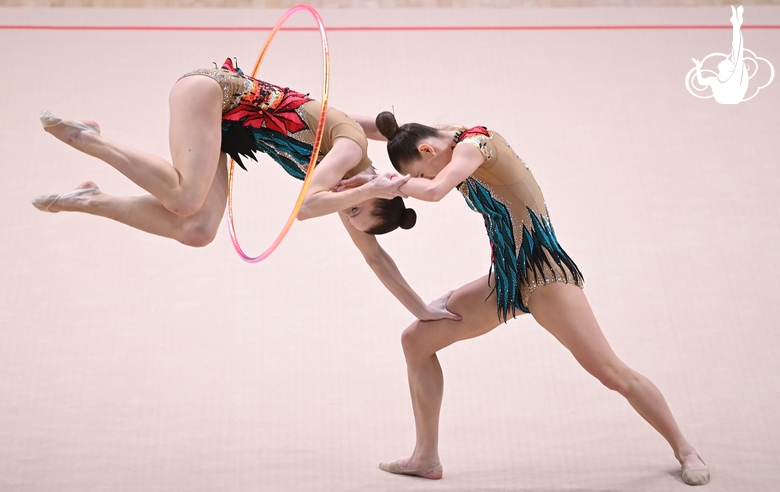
[
  {"x": 431, "y": 472},
  {"x": 694, "y": 470},
  {"x": 54, "y": 202},
  {"x": 70, "y": 132}
]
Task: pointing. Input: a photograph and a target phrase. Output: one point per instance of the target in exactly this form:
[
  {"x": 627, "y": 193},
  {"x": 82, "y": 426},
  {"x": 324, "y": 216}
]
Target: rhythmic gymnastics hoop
[{"x": 315, "y": 148}]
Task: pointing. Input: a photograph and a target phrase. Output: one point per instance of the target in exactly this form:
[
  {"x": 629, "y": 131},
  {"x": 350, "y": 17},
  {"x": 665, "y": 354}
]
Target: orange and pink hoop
[{"x": 315, "y": 148}]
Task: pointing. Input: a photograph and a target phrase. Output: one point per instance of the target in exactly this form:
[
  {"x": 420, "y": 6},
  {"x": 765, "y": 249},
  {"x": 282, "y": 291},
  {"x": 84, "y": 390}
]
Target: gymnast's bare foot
[
  {"x": 73, "y": 201},
  {"x": 694, "y": 470},
  {"x": 74, "y": 133},
  {"x": 432, "y": 471}
]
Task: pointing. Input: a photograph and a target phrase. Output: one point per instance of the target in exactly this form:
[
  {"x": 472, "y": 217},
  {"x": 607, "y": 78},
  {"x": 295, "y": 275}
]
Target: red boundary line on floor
[{"x": 375, "y": 28}]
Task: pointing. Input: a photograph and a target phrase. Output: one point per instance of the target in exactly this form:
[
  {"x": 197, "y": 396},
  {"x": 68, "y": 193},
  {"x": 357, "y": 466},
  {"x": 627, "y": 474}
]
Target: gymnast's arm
[
  {"x": 465, "y": 160},
  {"x": 321, "y": 200},
  {"x": 369, "y": 127},
  {"x": 387, "y": 272},
  {"x": 703, "y": 81}
]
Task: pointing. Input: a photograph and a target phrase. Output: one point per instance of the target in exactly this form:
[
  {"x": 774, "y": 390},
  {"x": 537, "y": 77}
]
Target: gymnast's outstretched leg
[
  {"x": 564, "y": 311},
  {"x": 195, "y": 138}
]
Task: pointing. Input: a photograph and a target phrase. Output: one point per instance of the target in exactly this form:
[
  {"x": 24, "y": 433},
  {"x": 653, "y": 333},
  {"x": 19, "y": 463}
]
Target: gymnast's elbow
[
  {"x": 304, "y": 213},
  {"x": 433, "y": 194}
]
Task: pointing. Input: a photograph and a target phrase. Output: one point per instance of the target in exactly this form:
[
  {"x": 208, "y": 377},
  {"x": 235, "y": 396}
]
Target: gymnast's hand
[
  {"x": 361, "y": 179},
  {"x": 354, "y": 181},
  {"x": 384, "y": 185},
  {"x": 438, "y": 310}
]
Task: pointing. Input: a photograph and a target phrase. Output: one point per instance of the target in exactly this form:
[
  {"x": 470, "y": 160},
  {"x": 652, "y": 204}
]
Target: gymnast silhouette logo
[{"x": 735, "y": 70}]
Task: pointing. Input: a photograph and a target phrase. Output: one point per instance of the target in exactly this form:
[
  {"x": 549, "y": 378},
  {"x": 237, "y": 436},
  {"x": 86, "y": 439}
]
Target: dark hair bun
[
  {"x": 386, "y": 124},
  {"x": 409, "y": 219}
]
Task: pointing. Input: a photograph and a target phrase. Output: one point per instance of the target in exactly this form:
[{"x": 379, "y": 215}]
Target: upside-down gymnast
[
  {"x": 219, "y": 111},
  {"x": 530, "y": 273},
  {"x": 214, "y": 112}
]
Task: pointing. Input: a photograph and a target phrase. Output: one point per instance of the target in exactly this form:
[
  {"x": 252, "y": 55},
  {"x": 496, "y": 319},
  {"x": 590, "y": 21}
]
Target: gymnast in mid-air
[
  {"x": 530, "y": 273},
  {"x": 216, "y": 112},
  {"x": 220, "y": 111}
]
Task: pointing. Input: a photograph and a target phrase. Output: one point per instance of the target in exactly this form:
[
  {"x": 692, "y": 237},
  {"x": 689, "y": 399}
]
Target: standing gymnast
[
  {"x": 530, "y": 273},
  {"x": 214, "y": 112}
]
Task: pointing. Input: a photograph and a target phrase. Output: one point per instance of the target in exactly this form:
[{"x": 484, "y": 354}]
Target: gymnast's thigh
[{"x": 475, "y": 302}]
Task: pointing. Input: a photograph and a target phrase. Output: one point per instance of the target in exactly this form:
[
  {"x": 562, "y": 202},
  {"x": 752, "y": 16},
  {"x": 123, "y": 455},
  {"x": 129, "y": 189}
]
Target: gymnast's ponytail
[
  {"x": 402, "y": 141},
  {"x": 392, "y": 214}
]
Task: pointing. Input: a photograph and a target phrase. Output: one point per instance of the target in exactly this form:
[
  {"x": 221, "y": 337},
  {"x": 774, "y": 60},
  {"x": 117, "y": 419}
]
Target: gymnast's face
[
  {"x": 429, "y": 164},
  {"x": 360, "y": 215}
]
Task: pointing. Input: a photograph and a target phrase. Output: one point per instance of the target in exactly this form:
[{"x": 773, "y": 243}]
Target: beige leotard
[
  {"x": 258, "y": 116},
  {"x": 526, "y": 253}
]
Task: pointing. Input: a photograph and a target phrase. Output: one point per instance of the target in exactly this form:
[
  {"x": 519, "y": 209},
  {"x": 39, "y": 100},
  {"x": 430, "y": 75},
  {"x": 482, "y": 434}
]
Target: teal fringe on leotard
[
  {"x": 512, "y": 268},
  {"x": 239, "y": 140}
]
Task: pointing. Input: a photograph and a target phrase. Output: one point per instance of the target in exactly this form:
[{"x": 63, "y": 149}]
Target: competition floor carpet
[{"x": 133, "y": 363}]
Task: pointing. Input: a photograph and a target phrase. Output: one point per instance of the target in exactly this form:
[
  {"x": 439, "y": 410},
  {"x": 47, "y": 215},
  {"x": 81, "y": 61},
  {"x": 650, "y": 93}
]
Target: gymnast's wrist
[
  {"x": 371, "y": 189},
  {"x": 423, "y": 312}
]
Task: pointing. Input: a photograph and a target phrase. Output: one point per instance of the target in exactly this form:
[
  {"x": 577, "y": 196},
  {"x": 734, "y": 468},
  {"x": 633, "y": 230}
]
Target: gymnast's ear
[
  {"x": 386, "y": 124},
  {"x": 426, "y": 150}
]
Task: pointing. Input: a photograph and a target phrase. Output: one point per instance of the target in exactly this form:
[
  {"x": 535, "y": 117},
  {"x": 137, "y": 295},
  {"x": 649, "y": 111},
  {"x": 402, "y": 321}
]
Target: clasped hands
[{"x": 385, "y": 185}]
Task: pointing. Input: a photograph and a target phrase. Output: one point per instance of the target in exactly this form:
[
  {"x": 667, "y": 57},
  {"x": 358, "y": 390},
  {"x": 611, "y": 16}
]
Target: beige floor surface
[{"x": 132, "y": 363}]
